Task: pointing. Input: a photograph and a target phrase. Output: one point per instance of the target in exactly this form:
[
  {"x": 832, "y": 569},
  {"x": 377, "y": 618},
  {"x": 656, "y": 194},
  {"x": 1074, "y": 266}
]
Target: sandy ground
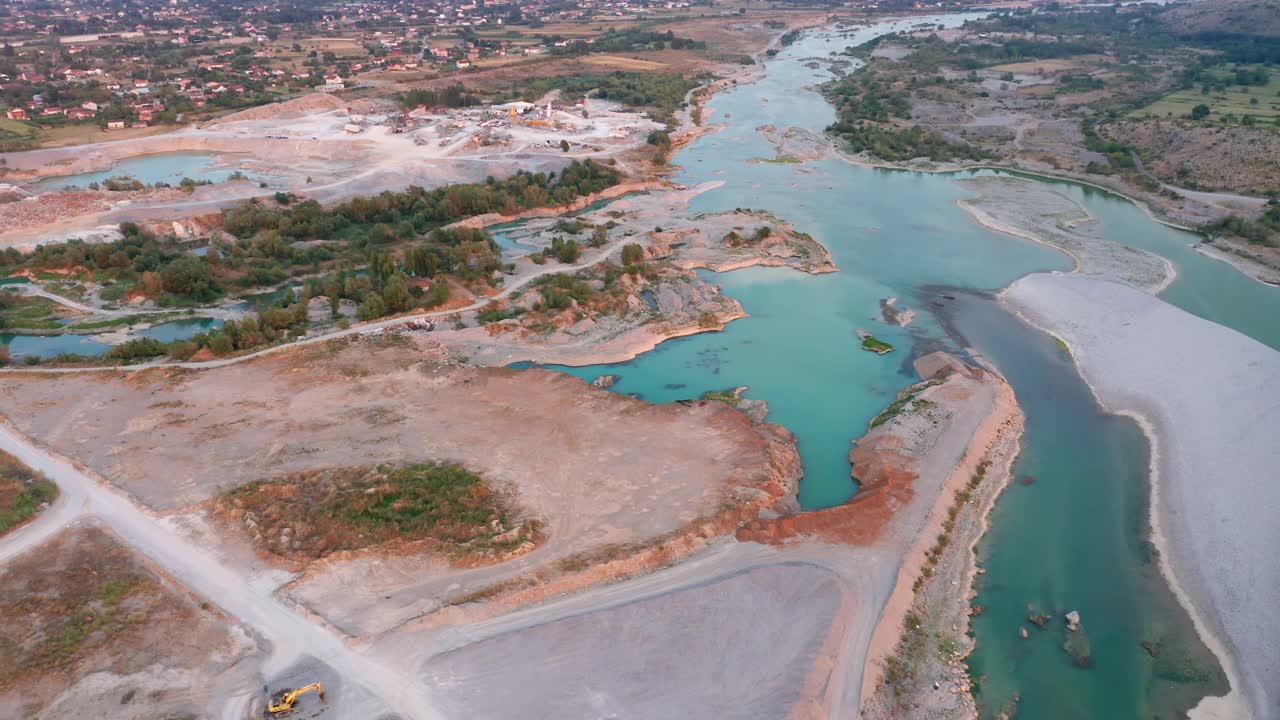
[
  {"x": 678, "y": 651},
  {"x": 577, "y": 458},
  {"x": 310, "y": 153},
  {"x": 942, "y": 680},
  {"x": 1207, "y": 398},
  {"x": 156, "y": 655},
  {"x": 1030, "y": 210},
  {"x": 909, "y": 468},
  {"x": 370, "y": 686}
]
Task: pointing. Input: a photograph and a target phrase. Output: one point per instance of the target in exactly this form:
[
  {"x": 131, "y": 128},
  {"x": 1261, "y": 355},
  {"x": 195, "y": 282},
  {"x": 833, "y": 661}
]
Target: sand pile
[{"x": 315, "y": 102}]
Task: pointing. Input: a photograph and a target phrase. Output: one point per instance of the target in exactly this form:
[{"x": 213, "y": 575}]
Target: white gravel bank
[{"x": 1209, "y": 398}]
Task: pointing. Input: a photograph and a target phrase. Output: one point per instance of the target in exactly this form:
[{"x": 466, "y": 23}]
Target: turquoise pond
[
  {"x": 47, "y": 346},
  {"x": 1076, "y": 538},
  {"x": 170, "y": 168}
]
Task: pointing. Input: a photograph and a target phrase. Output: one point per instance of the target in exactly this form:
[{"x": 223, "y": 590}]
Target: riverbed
[{"x": 1076, "y": 538}]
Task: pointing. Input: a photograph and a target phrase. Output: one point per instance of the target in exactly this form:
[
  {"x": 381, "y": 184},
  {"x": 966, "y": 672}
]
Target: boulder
[
  {"x": 605, "y": 381},
  {"x": 1073, "y": 621}
]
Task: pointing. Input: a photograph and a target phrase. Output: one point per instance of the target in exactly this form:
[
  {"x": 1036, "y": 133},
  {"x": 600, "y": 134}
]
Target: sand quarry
[
  {"x": 320, "y": 147},
  {"x": 639, "y": 544}
]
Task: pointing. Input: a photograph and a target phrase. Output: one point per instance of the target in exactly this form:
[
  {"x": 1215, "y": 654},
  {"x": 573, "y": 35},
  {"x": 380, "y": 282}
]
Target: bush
[
  {"x": 221, "y": 344},
  {"x": 632, "y": 253},
  {"x": 137, "y": 349}
]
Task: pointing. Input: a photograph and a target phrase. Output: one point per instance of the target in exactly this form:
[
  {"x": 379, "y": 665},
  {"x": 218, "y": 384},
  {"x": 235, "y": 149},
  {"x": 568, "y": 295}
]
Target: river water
[{"x": 1076, "y": 538}]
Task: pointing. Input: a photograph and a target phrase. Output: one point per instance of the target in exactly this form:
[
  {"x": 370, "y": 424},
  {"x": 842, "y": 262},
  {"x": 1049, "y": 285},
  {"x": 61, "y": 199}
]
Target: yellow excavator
[{"x": 282, "y": 703}]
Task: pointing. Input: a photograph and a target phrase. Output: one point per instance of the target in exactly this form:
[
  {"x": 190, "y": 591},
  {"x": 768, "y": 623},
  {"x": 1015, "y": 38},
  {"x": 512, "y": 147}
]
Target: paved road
[{"x": 292, "y": 635}]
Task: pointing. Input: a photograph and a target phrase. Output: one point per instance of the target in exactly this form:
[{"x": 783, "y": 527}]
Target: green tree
[
  {"x": 189, "y": 277},
  {"x": 632, "y": 253},
  {"x": 1200, "y": 112},
  {"x": 599, "y": 236},
  {"x": 372, "y": 308},
  {"x": 396, "y": 294}
]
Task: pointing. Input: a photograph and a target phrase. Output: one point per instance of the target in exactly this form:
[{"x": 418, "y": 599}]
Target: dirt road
[
  {"x": 293, "y": 637},
  {"x": 590, "y": 259}
]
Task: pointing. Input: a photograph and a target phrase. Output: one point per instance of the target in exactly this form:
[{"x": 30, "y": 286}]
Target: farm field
[{"x": 1262, "y": 102}]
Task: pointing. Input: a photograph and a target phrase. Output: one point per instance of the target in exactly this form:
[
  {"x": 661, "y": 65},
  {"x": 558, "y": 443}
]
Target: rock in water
[
  {"x": 605, "y": 381},
  {"x": 1073, "y": 621},
  {"x": 1024, "y": 633},
  {"x": 757, "y": 410},
  {"x": 893, "y": 314}
]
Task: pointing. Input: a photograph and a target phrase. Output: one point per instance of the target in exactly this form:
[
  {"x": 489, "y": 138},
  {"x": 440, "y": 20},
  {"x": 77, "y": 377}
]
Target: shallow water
[
  {"x": 1075, "y": 539},
  {"x": 170, "y": 168},
  {"x": 47, "y": 346},
  {"x": 179, "y": 329}
]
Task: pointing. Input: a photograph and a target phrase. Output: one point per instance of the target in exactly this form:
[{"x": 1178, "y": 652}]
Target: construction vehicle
[{"x": 282, "y": 703}]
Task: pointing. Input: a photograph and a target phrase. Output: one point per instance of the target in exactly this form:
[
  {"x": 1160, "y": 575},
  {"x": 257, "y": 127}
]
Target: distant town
[{"x": 135, "y": 66}]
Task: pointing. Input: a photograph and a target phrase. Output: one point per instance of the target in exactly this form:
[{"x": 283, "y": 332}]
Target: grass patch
[
  {"x": 904, "y": 399},
  {"x": 28, "y": 313},
  {"x": 81, "y": 597},
  {"x": 871, "y": 344},
  {"x": 317, "y": 513},
  {"x": 1227, "y": 103},
  {"x": 1064, "y": 348},
  {"x": 22, "y": 492},
  {"x": 729, "y": 397}
]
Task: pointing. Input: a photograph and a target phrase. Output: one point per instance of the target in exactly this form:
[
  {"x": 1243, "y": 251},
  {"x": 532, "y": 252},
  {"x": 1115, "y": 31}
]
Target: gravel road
[{"x": 292, "y": 636}]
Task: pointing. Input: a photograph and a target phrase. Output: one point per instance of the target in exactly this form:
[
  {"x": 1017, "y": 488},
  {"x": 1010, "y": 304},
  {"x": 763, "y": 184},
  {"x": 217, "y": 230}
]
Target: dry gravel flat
[
  {"x": 1031, "y": 210},
  {"x": 582, "y": 460},
  {"x": 736, "y": 647},
  {"x": 1209, "y": 398}
]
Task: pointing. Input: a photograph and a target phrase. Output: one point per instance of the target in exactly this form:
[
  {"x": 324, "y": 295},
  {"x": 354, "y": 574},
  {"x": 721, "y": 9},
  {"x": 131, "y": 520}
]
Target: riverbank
[
  {"x": 1029, "y": 210},
  {"x": 927, "y": 584},
  {"x": 1214, "y": 445},
  {"x": 916, "y": 467},
  {"x": 1243, "y": 258}
]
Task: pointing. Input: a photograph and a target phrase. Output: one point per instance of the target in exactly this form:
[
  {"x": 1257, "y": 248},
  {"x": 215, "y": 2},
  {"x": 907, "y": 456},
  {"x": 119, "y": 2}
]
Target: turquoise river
[{"x": 1073, "y": 539}]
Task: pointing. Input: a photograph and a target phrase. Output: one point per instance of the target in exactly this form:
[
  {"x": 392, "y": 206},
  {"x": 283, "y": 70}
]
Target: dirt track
[{"x": 291, "y": 636}]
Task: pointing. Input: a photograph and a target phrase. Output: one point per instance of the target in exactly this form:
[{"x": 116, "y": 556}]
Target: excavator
[{"x": 282, "y": 703}]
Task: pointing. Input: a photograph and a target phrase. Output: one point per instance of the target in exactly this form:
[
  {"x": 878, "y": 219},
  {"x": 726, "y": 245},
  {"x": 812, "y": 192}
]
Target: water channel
[{"x": 1076, "y": 537}]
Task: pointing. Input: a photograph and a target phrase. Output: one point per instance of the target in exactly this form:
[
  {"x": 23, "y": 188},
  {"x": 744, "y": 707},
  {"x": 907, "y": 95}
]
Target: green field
[
  {"x": 14, "y": 134},
  {"x": 1234, "y": 100}
]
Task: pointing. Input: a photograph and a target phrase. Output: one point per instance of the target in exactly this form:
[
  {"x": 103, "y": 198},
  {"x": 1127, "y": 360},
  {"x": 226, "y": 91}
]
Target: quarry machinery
[{"x": 283, "y": 702}]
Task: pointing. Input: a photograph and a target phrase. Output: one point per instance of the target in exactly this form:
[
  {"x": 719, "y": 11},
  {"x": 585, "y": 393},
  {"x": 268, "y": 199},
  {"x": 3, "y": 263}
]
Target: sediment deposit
[
  {"x": 1207, "y": 398},
  {"x": 1032, "y": 210}
]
